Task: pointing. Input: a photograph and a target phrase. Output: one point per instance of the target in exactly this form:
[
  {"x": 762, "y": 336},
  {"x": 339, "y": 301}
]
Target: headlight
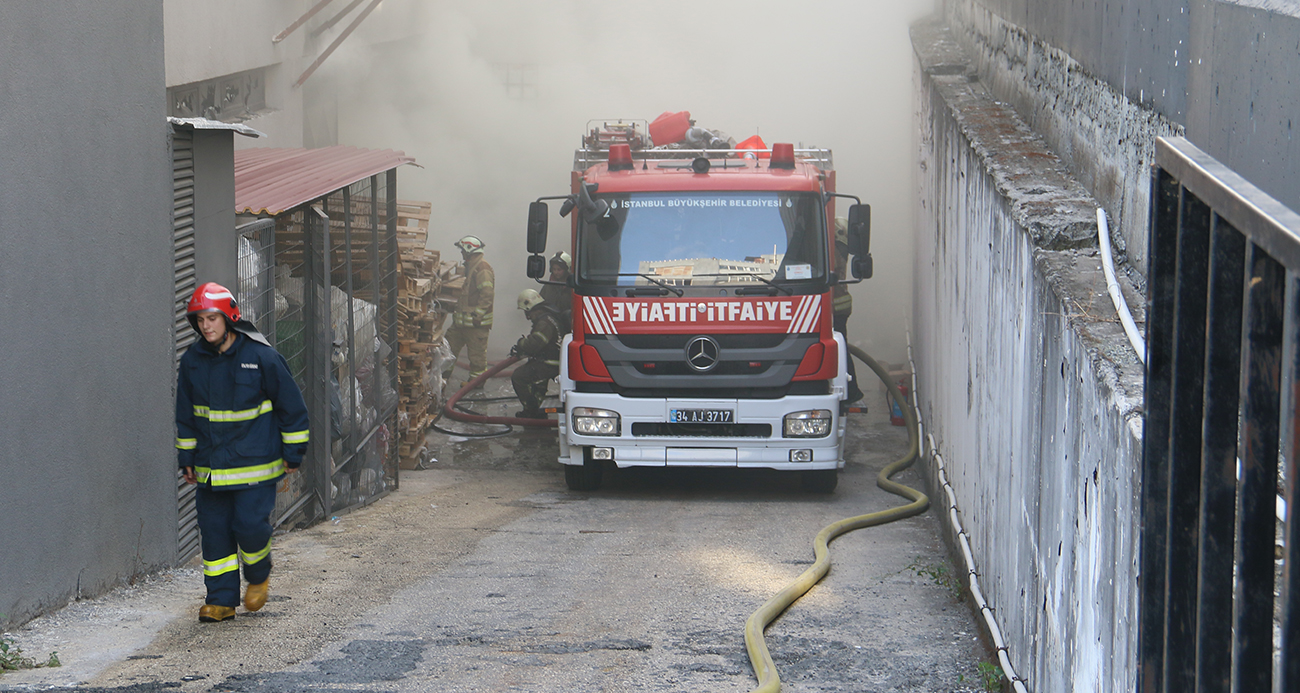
[
  {"x": 595, "y": 422},
  {"x": 815, "y": 423}
]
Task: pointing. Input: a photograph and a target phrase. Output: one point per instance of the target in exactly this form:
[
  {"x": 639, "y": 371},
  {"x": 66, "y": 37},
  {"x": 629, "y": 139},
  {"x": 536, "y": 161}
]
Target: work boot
[
  {"x": 255, "y": 595},
  {"x": 212, "y": 613}
]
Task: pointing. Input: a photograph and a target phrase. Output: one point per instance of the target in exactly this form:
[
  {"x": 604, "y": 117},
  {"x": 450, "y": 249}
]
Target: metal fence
[
  {"x": 1220, "y": 562},
  {"x": 320, "y": 281}
]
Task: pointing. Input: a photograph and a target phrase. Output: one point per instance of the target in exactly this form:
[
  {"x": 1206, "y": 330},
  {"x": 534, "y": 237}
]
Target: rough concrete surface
[
  {"x": 1028, "y": 386},
  {"x": 485, "y": 573}
]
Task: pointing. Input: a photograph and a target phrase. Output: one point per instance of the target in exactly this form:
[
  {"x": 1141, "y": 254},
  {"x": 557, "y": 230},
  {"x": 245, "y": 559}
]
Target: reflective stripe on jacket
[
  {"x": 842, "y": 304},
  {"x": 240, "y": 417},
  {"x": 477, "y": 295}
]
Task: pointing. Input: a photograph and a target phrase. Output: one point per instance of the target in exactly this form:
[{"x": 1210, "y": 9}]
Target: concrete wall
[
  {"x": 1032, "y": 392},
  {"x": 206, "y": 40},
  {"x": 1244, "y": 89},
  {"x": 1101, "y": 80},
  {"x": 87, "y": 464},
  {"x": 1027, "y": 386}
]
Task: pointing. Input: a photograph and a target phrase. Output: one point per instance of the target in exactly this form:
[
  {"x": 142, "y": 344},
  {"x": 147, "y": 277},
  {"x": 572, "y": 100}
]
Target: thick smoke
[{"x": 827, "y": 74}]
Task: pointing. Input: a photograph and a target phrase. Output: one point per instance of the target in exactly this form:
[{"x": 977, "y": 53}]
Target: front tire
[
  {"x": 819, "y": 480},
  {"x": 584, "y": 477}
]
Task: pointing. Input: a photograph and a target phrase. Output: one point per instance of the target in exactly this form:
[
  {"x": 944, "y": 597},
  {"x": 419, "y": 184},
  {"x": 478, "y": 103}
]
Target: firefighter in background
[
  {"x": 241, "y": 425},
  {"x": 542, "y": 347},
  {"x": 842, "y": 302},
  {"x": 472, "y": 320},
  {"x": 559, "y": 296}
]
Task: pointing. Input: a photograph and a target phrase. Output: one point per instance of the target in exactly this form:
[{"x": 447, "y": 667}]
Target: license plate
[{"x": 714, "y": 416}]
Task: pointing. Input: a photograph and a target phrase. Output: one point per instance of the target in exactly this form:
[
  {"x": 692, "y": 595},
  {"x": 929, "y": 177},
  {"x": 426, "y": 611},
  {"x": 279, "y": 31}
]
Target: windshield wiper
[
  {"x": 788, "y": 291},
  {"x": 652, "y": 280}
]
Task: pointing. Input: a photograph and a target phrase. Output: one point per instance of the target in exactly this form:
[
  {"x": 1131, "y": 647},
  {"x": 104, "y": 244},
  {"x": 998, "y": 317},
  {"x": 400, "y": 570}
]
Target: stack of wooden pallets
[{"x": 421, "y": 322}]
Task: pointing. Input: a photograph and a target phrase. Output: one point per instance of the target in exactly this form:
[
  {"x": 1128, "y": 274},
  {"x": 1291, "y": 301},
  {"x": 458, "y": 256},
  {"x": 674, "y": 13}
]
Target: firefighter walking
[
  {"x": 241, "y": 425},
  {"x": 472, "y": 320},
  {"x": 542, "y": 347}
]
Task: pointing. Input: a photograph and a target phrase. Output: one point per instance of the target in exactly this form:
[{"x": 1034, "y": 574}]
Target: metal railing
[
  {"x": 584, "y": 159},
  {"x": 1221, "y": 385}
]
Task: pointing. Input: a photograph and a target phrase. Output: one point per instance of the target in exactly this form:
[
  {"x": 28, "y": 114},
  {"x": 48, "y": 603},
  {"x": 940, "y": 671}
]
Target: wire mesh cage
[{"x": 320, "y": 281}]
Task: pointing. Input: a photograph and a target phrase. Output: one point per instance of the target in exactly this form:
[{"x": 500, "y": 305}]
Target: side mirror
[
  {"x": 861, "y": 266},
  {"x": 536, "y": 266},
  {"x": 591, "y": 209},
  {"x": 537, "y": 218},
  {"x": 860, "y": 232}
]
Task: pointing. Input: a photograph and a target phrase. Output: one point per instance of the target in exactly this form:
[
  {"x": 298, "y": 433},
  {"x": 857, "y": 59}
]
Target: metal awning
[
  {"x": 209, "y": 124},
  {"x": 270, "y": 181}
]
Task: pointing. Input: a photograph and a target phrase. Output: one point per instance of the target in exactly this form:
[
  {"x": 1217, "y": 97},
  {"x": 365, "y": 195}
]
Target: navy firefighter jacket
[{"x": 239, "y": 415}]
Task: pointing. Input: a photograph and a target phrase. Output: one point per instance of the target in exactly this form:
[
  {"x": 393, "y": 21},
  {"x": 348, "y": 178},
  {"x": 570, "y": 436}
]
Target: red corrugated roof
[{"x": 270, "y": 181}]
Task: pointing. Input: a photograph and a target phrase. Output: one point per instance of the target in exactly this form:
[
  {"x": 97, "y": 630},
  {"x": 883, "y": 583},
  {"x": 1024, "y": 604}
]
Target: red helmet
[{"x": 212, "y": 298}]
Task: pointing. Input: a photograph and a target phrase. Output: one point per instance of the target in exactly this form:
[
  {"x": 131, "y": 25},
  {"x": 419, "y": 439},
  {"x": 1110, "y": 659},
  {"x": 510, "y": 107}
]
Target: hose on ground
[
  {"x": 768, "y": 679},
  {"x": 467, "y": 366},
  {"x": 450, "y": 411},
  {"x": 467, "y": 434}
]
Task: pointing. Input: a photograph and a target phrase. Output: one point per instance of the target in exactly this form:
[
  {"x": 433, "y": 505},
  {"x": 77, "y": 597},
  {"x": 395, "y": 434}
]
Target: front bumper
[{"x": 769, "y": 452}]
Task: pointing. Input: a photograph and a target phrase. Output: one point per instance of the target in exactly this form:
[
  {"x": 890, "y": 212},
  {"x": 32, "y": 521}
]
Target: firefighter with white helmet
[
  {"x": 559, "y": 296},
  {"x": 542, "y": 347},
  {"x": 842, "y": 301},
  {"x": 472, "y": 320},
  {"x": 241, "y": 425}
]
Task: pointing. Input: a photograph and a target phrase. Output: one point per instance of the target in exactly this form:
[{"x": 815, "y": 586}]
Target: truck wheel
[
  {"x": 584, "y": 477},
  {"x": 820, "y": 480}
]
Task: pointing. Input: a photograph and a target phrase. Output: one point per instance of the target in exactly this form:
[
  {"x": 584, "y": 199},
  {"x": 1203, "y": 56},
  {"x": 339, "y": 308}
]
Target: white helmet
[
  {"x": 470, "y": 245},
  {"x": 563, "y": 257},
  {"x": 529, "y": 299}
]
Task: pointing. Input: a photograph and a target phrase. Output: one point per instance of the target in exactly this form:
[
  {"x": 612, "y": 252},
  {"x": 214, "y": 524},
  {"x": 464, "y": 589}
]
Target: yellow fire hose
[{"x": 768, "y": 680}]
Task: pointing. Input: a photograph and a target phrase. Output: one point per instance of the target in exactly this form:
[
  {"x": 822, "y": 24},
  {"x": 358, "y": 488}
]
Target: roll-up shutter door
[{"x": 183, "y": 243}]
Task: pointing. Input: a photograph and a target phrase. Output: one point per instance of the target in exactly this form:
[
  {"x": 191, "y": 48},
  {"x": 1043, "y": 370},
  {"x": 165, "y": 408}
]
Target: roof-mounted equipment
[
  {"x": 782, "y": 155},
  {"x": 620, "y": 157}
]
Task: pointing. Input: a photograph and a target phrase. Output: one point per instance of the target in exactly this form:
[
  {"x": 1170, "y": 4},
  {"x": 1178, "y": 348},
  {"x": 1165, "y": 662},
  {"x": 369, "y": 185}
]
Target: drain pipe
[
  {"x": 995, "y": 632},
  {"x": 1112, "y": 287}
]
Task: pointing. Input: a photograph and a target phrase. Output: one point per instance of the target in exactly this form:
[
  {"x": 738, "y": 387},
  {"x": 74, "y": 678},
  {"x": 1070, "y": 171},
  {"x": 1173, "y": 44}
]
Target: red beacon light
[
  {"x": 620, "y": 157},
  {"x": 782, "y": 155}
]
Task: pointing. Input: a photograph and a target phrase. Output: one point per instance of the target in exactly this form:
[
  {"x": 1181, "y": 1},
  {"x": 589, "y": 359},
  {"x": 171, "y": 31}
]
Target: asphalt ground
[{"x": 484, "y": 573}]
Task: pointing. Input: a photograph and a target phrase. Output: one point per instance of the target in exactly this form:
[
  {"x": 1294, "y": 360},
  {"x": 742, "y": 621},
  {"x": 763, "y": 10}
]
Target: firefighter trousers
[
  {"x": 474, "y": 340},
  {"x": 236, "y": 528},
  {"x": 530, "y": 381}
]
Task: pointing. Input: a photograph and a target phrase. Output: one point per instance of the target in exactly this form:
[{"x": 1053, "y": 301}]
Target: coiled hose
[{"x": 768, "y": 679}]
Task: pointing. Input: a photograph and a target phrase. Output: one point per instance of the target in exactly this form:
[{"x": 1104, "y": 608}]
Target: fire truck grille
[
  {"x": 743, "y": 361},
  {"x": 676, "y": 430},
  {"x": 678, "y": 341}
]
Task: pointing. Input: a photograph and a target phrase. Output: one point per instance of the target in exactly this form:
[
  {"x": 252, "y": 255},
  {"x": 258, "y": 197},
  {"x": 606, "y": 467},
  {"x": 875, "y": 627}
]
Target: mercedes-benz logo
[{"x": 702, "y": 354}]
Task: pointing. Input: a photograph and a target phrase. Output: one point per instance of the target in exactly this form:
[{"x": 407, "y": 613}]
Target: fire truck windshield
[{"x": 705, "y": 239}]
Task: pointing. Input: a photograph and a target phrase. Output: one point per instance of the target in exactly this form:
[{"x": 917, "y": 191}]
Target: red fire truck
[{"x": 702, "y": 332}]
